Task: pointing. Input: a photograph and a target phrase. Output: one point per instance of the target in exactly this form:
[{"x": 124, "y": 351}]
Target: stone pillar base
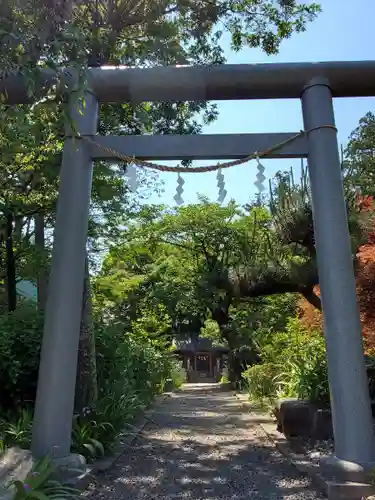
[
  {"x": 70, "y": 467},
  {"x": 16, "y": 464},
  {"x": 333, "y": 468},
  {"x": 347, "y": 480}
]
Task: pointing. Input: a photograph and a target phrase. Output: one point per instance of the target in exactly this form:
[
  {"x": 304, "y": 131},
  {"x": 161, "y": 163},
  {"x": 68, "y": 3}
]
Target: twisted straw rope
[{"x": 208, "y": 168}]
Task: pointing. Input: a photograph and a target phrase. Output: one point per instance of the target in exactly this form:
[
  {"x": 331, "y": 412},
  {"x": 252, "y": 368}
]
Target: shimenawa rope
[{"x": 207, "y": 168}]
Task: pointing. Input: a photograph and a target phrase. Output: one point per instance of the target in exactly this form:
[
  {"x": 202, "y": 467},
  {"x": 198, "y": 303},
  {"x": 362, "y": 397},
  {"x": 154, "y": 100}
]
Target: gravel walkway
[{"x": 202, "y": 445}]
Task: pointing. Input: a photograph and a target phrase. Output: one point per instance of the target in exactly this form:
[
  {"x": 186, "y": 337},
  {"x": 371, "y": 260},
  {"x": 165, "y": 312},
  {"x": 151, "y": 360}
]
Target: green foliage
[
  {"x": 185, "y": 262},
  {"x": 293, "y": 364},
  {"x": 260, "y": 381},
  {"x": 178, "y": 374},
  {"x": 359, "y": 155},
  {"x": 292, "y": 258},
  {"x": 132, "y": 368},
  {"x": 152, "y": 325},
  {"x": 287, "y": 15},
  {"x": 211, "y": 331},
  {"x": 85, "y": 434},
  {"x": 39, "y": 484},
  {"x": 148, "y": 283},
  {"x": 38, "y": 36},
  {"x": 161, "y": 31},
  {"x": 20, "y": 338},
  {"x": 43, "y": 35},
  {"x": 124, "y": 359},
  {"x": 175, "y": 271},
  {"x": 15, "y": 428},
  {"x": 256, "y": 319}
]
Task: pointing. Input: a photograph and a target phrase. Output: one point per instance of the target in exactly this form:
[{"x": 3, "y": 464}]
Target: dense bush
[
  {"x": 122, "y": 359},
  {"x": 178, "y": 374},
  {"x": 293, "y": 365},
  {"x": 130, "y": 372},
  {"x": 260, "y": 381},
  {"x": 20, "y": 339}
]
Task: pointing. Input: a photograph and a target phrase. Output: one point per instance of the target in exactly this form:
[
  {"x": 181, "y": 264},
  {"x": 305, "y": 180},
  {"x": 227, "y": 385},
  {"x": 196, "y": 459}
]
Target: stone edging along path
[
  {"x": 304, "y": 464},
  {"x": 301, "y": 463}
]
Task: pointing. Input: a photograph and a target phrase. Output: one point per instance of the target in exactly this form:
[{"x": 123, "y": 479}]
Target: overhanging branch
[
  {"x": 313, "y": 298},
  {"x": 272, "y": 285}
]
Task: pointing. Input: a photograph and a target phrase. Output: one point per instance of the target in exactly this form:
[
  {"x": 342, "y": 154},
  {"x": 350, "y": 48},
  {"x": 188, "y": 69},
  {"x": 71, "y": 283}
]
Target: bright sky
[{"x": 342, "y": 32}]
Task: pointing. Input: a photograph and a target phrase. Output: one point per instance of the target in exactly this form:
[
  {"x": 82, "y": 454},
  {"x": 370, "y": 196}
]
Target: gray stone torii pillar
[
  {"x": 58, "y": 363},
  {"x": 351, "y": 412}
]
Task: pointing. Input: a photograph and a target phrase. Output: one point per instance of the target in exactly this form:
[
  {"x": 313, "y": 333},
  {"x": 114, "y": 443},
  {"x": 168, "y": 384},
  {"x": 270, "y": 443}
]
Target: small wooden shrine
[{"x": 203, "y": 361}]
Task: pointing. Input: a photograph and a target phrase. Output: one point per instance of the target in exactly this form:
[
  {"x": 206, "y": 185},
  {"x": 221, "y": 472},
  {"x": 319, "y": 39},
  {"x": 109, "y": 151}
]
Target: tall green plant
[
  {"x": 40, "y": 484},
  {"x": 293, "y": 365}
]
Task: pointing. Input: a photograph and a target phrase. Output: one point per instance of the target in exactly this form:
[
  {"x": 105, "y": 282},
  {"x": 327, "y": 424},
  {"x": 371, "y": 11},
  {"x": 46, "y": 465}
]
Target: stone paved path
[{"x": 202, "y": 446}]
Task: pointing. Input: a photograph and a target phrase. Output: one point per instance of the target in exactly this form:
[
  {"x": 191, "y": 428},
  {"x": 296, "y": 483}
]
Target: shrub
[
  {"x": 124, "y": 359},
  {"x": 130, "y": 372},
  {"x": 15, "y": 429},
  {"x": 294, "y": 365},
  {"x": 260, "y": 381},
  {"x": 178, "y": 374},
  {"x": 20, "y": 340},
  {"x": 40, "y": 484},
  {"x": 86, "y": 435}
]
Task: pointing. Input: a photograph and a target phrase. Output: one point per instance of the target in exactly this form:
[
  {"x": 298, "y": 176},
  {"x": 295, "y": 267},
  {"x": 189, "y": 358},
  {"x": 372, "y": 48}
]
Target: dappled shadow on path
[{"x": 202, "y": 445}]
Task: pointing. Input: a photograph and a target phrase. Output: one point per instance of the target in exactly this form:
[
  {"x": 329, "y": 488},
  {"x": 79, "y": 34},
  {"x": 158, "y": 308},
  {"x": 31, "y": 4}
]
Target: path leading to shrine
[{"x": 202, "y": 445}]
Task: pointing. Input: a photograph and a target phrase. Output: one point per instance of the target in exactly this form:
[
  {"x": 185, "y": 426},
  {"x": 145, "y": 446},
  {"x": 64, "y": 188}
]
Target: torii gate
[{"x": 315, "y": 84}]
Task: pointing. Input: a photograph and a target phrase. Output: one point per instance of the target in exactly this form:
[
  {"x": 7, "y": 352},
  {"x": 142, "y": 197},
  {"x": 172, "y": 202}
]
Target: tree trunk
[
  {"x": 42, "y": 279},
  {"x": 86, "y": 384},
  {"x": 11, "y": 280},
  {"x": 222, "y": 318},
  {"x": 18, "y": 221}
]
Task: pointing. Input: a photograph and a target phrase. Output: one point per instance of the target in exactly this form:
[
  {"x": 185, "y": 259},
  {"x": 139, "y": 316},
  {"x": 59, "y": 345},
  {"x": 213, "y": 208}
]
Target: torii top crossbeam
[{"x": 222, "y": 82}]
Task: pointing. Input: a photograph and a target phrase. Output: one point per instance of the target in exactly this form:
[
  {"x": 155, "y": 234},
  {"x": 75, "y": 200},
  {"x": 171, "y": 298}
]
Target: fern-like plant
[{"x": 39, "y": 484}]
